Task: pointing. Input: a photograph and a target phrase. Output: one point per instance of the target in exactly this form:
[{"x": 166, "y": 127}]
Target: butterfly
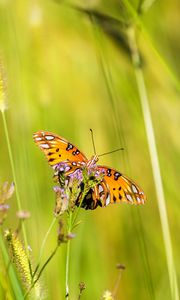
[{"x": 114, "y": 186}]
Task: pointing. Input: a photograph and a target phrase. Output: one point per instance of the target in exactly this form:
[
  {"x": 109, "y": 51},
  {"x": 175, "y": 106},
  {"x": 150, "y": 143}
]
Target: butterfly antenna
[
  {"x": 111, "y": 151},
  {"x": 92, "y": 137}
]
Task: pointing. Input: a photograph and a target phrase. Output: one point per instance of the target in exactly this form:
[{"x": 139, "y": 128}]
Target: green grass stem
[
  {"x": 68, "y": 254},
  {"x": 14, "y": 174},
  {"x": 155, "y": 163},
  {"x": 41, "y": 270},
  {"x": 43, "y": 244}
]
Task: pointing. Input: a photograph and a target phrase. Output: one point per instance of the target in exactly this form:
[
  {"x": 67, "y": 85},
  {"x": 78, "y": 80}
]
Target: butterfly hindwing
[
  {"x": 57, "y": 149},
  {"x": 120, "y": 188}
]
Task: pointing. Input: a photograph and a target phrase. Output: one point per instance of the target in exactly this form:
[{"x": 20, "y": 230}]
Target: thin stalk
[
  {"x": 155, "y": 163},
  {"x": 43, "y": 244},
  {"x": 71, "y": 224},
  {"x": 68, "y": 255},
  {"x": 14, "y": 174},
  {"x": 117, "y": 283},
  {"x": 78, "y": 209},
  {"x": 42, "y": 269}
]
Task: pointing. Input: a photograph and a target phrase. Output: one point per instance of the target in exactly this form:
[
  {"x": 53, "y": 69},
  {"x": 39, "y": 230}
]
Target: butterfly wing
[
  {"x": 57, "y": 149},
  {"x": 119, "y": 188}
]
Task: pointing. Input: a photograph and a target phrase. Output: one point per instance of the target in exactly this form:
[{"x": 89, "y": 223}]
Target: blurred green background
[{"x": 56, "y": 60}]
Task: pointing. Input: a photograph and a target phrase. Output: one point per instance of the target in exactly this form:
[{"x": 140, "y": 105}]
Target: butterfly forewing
[
  {"x": 57, "y": 149},
  {"x": 121, "y": 188}
]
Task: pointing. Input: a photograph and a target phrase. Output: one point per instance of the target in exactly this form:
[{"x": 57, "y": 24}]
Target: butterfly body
[{"x": 111, "y": 187}]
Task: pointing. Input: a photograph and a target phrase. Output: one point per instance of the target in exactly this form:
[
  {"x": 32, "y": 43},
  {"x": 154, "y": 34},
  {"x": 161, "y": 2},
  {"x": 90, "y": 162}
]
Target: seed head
[{"x": 19, "y": 257}]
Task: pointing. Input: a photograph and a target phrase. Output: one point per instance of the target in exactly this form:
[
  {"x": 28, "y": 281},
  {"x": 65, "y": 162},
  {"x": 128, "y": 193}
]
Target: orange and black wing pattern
[
  {"x": 120, "y": 188},
  {"x": 57, "y": 149}
]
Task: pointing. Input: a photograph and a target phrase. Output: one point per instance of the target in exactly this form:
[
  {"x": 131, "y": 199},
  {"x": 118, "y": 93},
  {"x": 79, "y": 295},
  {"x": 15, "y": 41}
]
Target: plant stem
[
  {"x": 42, "y": 269},
  {"x": 154, "y": 162},
  {"x": 68, "y": 255},
  {"x": 43, "y": 244},
  {"x": 78, "y": 208},
  {"x": 14, "y": 174}
]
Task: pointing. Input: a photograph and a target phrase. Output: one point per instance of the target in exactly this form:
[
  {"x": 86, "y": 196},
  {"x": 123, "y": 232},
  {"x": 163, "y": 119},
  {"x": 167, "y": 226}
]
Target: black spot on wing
[
  {"x": 75, "y": 152},
  {"x": 51, "y": 159},
  {"x": 114, "y": 198},
  {"x": 109, "y": 172},
  {"x": 69, "y": 147},
  {"x": 117, "y": 175},
  {"x": 50, "y": 153}
]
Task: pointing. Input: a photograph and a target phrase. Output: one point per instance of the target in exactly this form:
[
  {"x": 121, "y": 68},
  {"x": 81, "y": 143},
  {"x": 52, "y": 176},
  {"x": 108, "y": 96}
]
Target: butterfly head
[{"x": 91, "y": 162}]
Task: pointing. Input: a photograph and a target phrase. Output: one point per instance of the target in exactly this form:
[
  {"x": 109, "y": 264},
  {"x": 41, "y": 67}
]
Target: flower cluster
[{"x": 74, "y": 185}]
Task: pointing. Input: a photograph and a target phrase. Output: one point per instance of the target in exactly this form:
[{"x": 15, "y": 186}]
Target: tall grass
[{"x": 155, "y": 163}]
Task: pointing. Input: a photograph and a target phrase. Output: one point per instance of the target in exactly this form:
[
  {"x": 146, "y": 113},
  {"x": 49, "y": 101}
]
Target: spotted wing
[
  {"x": 57, "y": 149},
  {"x": 119, "y": 188}
]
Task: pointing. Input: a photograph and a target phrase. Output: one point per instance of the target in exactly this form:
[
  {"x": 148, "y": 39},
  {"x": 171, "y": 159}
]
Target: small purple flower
[
  {"x": 62, "y": 167},
  {"x": 76, "y": 175},
  {"x": 98, "y": 173},
  {"x": 60, "y": 192},
  {"x": 4, "y": 207}
]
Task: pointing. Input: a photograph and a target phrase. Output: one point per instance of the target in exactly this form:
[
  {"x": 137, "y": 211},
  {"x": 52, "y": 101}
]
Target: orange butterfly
[{"x": 113, "y": 188}]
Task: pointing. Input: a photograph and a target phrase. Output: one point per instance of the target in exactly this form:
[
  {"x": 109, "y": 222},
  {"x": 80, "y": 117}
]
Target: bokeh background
[{"x": 68, "y": 69}]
